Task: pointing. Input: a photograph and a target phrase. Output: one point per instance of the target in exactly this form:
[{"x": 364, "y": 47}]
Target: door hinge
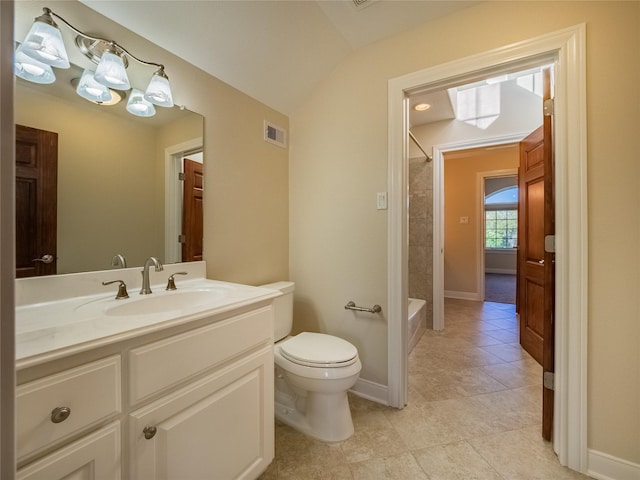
[
  {"x": 181, "y": 238},
  {"x": 181, "y": 176},
  {"x": 550, "y": 243},
  {"x": 547, "y": 107},
  {"x": 548, "y": 380}
]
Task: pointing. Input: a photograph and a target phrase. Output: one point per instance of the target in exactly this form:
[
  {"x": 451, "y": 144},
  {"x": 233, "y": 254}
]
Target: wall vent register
[{"x": 275, "y": 134}]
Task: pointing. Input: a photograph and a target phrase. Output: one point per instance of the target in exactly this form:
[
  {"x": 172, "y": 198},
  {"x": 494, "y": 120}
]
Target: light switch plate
[{"x": 381, "y": 200}]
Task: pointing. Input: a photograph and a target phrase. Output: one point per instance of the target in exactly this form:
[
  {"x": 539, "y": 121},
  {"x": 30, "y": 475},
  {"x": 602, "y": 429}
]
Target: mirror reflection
[{"x": 115, "y": 187}]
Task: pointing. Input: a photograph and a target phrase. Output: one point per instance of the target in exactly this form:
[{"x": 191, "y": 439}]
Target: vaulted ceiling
[{"x": 275, "y": 51}]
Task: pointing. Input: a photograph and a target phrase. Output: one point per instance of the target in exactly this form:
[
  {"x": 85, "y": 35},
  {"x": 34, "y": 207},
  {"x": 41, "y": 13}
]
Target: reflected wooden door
[
  {"x": 36, "y": 201},
  {"x": 192, "y": 219}
]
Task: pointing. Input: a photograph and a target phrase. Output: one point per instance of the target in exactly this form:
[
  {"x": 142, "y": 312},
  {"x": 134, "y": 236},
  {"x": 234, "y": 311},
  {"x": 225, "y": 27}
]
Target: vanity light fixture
[
  {"x": 94, "y": 91},
  {"x": 111, "y": 72},
  {"x": 138, "y": 104},
  {"x": 44, "y": 44},
  {"x": 32, "y": 70},
  {"x": 89, "y": 88}
]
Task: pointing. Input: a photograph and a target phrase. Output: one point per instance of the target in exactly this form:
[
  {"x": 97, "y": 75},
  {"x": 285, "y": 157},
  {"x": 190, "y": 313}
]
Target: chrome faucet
[{"x": 146, "y": 289}]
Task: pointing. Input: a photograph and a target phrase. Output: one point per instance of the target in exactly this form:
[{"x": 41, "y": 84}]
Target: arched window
[{"x": 501, "y": 218}]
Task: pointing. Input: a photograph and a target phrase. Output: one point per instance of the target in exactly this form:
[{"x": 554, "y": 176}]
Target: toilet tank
[{"x": 282, "y": 309}]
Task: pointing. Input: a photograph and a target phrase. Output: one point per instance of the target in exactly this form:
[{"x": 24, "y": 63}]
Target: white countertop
[{"x": 57, "y": 328}]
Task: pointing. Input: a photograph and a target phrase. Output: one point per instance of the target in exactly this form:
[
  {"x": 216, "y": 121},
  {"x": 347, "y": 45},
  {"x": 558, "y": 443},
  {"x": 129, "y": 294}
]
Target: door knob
[
  {"x": 541, "y": 262},
  {"x": 45, "y": 259}
]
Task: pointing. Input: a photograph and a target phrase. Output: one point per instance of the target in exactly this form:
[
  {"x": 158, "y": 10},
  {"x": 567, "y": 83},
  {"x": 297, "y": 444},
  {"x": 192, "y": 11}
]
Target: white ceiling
[{"x": 275, "y": 51}]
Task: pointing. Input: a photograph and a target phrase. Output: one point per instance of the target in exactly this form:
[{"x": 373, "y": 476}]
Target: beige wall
[
  {"x": 246, "y": 236},
  {"x": 338, "y": 162},
  {"x": 462, "y": 196}
]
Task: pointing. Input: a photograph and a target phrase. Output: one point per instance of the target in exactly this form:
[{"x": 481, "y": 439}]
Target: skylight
[{"x": 478, "y": 104}]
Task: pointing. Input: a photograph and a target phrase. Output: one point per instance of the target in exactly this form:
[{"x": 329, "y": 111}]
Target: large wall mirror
[{"x": 118, "y": 190}]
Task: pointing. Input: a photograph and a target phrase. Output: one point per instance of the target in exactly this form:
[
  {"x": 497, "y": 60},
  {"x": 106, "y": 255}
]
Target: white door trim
[
  {"x": 438, "y": 215},
  {"x": 173, "y": 197},
  {"x": 568, "y": 47},
  {"x": 480, "y": 227}
]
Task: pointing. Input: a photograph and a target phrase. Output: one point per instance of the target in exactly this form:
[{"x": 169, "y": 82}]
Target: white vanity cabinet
[
  {"x": 212, "y": 429},
  {"x": 193, "y": 400},
  {"x": 218, "y": 427}
]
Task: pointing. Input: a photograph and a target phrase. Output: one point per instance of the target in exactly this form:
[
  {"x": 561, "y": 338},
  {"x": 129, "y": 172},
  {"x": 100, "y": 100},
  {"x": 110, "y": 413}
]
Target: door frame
[
  {"x": 438, "y": 215},
  {"x": 173, "y": 196},
  {"x": 567, "y": 48},
  {"x": 481, "y": 177}
]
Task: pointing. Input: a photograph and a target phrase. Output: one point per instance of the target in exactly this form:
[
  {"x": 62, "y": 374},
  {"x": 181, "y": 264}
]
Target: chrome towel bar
[{"x": 352, "y": 306}]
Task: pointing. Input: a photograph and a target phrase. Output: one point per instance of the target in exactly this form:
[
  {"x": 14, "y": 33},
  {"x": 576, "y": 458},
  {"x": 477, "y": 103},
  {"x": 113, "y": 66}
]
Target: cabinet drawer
[
  {"x": 91, "y": 392},
  {"x": 95, "y": 456},
  {"x": 162, "y": 364}
]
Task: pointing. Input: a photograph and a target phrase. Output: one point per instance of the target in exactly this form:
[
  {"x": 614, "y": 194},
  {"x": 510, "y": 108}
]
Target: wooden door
[
  {"x": 531, "y": 243},
  {"x": 192, "y": 219},
  {"x": 548, "y": 343},
  {"x": 536, "y": 259},
  {"x": 36, "y": 201}
]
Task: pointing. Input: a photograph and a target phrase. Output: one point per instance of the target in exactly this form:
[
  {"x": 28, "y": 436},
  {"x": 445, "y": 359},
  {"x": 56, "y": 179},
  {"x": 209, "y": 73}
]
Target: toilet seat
[{"x": 319, "y": 350}]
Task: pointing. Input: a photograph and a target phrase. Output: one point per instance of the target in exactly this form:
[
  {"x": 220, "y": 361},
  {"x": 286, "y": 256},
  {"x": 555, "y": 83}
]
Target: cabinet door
[
  {"x": 93, "y": 457},
  {"x": 220, "y": 427}
]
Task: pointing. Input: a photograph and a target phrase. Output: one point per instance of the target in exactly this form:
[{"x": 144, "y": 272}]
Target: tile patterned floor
[{"x": 474, "y": 413}]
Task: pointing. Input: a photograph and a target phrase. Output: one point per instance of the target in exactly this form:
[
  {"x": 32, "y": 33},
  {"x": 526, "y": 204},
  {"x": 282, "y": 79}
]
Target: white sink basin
[
  {"x": 162, "y": 302},
  {"x": 154, "y": 304}
]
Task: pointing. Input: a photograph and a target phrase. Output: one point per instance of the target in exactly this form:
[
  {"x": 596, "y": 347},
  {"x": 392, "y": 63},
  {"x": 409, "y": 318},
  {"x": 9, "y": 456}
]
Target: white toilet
[{"x": 313, "y": 372}]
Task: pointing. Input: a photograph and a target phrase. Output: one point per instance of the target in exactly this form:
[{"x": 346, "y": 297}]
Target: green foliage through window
[{"x": 501, "y": 228}]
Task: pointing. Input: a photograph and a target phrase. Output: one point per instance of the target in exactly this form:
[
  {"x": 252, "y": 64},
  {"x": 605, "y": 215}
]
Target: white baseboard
[
  {"x": 502, "y": 271},
  {"x": 607, "y": 467},
  {"x": 371, "y": 391},
  {"x": 462, "y": 295}
]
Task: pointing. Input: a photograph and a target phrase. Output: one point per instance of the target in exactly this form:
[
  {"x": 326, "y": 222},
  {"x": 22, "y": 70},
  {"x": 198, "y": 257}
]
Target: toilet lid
[{"x": 319, "y": 350}]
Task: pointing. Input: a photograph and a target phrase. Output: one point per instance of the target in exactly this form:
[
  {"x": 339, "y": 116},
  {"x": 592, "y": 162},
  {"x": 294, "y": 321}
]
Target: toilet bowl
[{"x": 313, "y": 372}]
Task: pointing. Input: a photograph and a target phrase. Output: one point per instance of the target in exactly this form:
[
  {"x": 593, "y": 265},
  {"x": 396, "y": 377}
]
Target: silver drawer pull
[
  {"x": 149, "y": 432},
  {"x": 60, "y": 414}
]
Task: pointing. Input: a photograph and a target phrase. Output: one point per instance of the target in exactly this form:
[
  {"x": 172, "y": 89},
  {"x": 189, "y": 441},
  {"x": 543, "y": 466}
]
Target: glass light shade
[
  {"x": 111, "y": 72},
  {"x": 91, "y": 90},
  {"x": 44, "y": 43},
  {"x": 138, "y": 105},
  {"x": 32, "y": 70},
  {"x": 159, "y": 91}
]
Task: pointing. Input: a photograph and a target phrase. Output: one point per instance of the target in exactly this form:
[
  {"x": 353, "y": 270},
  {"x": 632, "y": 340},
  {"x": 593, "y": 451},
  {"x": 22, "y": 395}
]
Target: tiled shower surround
[{"x": 421, "y": 233}]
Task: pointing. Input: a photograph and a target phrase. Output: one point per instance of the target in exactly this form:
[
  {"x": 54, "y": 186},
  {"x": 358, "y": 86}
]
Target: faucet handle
[
  {"x": 171, "y": 284},
  {"x": 122, "y": 289},
  {"x": 118, "y": 260}
]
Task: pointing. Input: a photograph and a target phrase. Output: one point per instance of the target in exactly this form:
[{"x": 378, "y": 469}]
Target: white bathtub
[{"x": 417, "y": 321}]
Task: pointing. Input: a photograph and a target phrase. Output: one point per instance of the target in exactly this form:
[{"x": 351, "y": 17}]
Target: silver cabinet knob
[
  {"x": 149, "y": 432},
  {"x": 60, "y": 414},
  {"x": 45, "y": 259}
]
